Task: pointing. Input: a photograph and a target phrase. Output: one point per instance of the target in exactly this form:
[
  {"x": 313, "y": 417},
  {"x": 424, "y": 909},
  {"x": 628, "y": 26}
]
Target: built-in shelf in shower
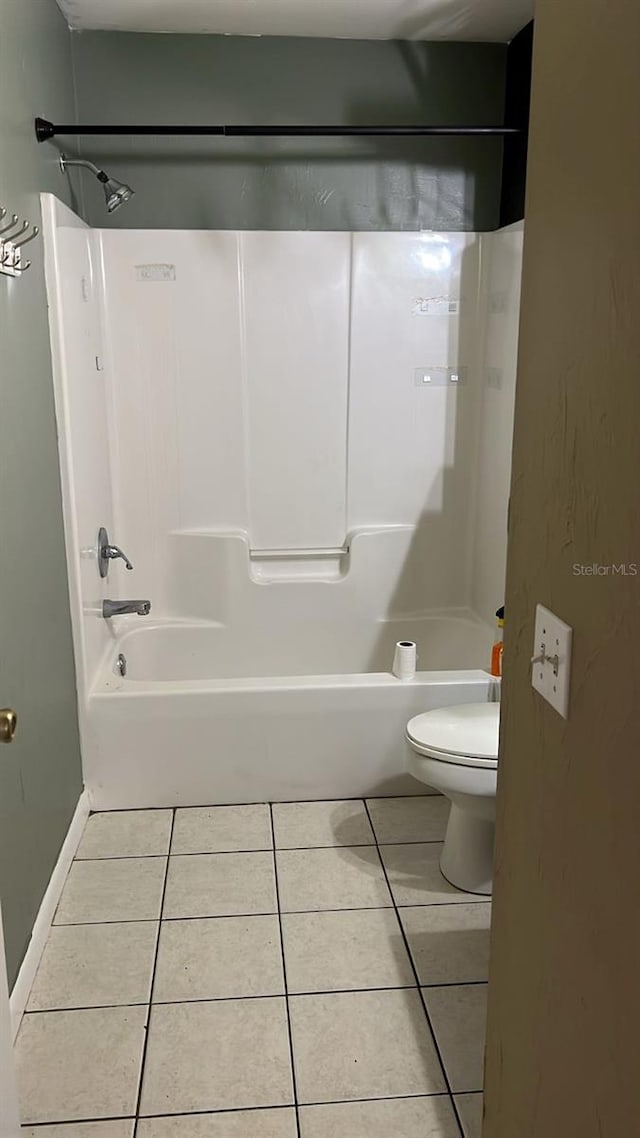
[
  {"x": 297, "y": 554},
  {"x": 298, "y": 564}
]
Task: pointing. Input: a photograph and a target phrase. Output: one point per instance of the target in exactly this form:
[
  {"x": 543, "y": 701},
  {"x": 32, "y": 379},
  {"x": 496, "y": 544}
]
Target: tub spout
[{"x": 119, "y": 608}]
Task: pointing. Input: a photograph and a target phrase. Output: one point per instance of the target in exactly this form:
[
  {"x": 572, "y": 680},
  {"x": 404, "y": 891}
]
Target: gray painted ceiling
[{"x": 352, "y": 19}]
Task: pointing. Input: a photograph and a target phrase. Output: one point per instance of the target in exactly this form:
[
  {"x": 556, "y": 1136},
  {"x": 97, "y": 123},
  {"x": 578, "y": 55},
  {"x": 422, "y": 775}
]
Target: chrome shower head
[{"x": 116, "y": 193}]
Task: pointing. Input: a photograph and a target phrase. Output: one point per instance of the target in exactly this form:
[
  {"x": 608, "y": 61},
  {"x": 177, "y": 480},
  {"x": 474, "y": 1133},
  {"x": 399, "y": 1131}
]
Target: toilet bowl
[{"x": 455, "y": 750}]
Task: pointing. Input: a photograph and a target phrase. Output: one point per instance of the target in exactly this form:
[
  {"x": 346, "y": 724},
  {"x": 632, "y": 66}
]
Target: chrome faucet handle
[
  {"x": 108, "y": 552},
  {"x": 113, "y": 552}
]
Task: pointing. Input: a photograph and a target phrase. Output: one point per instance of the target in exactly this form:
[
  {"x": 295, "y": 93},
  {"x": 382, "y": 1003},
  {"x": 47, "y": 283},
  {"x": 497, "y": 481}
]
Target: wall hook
[
  {"x": 11, "y": 242},
  {"x": 25, "y": 240},
  {"x": 14, "y": 221},
  {"x": 23, "y": 229}
]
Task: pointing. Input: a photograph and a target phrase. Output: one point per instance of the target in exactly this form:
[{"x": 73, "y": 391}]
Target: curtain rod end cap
[{"x": 44, "y": 130}]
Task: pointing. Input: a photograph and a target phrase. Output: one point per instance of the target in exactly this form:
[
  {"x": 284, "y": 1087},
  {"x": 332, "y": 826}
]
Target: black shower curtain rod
[{"x": 46, "y": 130}]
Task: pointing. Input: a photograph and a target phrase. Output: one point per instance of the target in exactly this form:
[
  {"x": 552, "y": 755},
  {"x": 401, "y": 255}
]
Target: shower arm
[
  {"x": 46, "y": 130},
  {"x": 100, "y": 174}
]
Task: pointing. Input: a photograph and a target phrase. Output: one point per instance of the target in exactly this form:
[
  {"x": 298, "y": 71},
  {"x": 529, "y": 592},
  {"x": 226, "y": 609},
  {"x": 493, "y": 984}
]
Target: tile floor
[{"x": 295, "y": 971}]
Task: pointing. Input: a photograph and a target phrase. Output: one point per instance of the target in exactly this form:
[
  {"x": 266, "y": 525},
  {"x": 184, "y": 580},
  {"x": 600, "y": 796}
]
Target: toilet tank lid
[{"x": 466, "y": 729}]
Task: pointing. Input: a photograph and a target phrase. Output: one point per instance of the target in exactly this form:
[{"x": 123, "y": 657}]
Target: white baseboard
[{"x": 46, "y": 913}]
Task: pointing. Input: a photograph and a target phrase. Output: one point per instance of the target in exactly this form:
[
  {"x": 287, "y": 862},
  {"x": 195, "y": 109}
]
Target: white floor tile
[
  {"x": 218, "y": 958},
  {"x": 126, "y": 833},
  {"x": 217, "y": 1056},
  {"x": 126, "y": 889},
  {"x": 307, "y": 824},
  {"x": 470, "y": 1111},
  {"x": 413, "y": 819},
  {"x": 349, "y": 877},
  {"x": 415, "y": 877},
  {"x": 218, "y": 1062},
  {"x": 218, "y": 885},
  {"x": 90, "y": 966},
  {"x": 357, "y": 1045},
  {"x": 79, "y": 1065},
  {"x": 458, "y": 1015},
  {"x": 401, "y": 1118},
  {"x": 218, "y": 829},
  {"x": 113, "y": 1128},
  {"x": 449, "y": 943},
  {"x": 360, "y": 948},
  {"x": 280, "y": 1123}
]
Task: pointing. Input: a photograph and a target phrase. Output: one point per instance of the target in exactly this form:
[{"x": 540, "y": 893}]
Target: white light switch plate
[{"x": 552, "y": 638}]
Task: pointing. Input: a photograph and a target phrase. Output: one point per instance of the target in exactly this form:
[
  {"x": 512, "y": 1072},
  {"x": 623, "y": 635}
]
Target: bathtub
[{"x": 205, "y": 715}]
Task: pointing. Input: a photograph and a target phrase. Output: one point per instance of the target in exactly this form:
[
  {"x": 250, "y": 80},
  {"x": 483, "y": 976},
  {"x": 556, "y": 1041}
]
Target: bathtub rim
[{"x": 112, "y": 685}]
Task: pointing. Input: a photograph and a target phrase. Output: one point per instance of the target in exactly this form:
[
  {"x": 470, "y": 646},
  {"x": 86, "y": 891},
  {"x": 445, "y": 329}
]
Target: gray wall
[
  {"x": 40, "y": 774},
  {"x": 292, "y": 184}
]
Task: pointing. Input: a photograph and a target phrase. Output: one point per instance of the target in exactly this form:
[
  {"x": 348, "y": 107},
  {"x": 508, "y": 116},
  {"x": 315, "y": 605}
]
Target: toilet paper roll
[{"x": 404, "y": 660}]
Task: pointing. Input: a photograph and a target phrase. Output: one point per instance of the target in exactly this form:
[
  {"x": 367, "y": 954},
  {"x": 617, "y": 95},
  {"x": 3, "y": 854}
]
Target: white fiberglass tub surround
[
  {"x": 289, "y": 694},
  {"x": 302, "y": 442}
]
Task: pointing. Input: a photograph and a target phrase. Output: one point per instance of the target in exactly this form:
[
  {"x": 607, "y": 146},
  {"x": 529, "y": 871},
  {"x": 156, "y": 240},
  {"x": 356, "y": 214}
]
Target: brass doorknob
[{"x": 8, "y": 724}]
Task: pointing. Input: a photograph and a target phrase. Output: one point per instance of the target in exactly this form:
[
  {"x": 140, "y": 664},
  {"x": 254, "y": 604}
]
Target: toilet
[{"x": 455, "y": 750}]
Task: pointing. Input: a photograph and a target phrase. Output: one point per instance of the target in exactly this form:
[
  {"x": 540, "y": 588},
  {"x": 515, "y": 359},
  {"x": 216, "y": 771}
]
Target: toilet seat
[{"x": 466, "y": 734}]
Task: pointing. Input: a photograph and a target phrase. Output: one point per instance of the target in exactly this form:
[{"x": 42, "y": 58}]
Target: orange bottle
[{"x": 496, "y": 651}]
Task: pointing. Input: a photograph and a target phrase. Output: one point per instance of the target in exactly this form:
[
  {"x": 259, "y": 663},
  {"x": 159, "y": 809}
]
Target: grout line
[
  {"x": 286, "y": 913},
  {"x": 121, "y": 857},
  {"x": 78, "y": 1121},
  {"x": 284, "y": 975},
  {"x": 282, "y": 802},
  {"x": 84, "y": 1008},
  {"x": 236, "y": 1110},
  {"x": 289, "y": 1106},
  {"x": 362, "y": 845},
  {"x": 354, "y": 798},
  {"x": 221, "y": 853},
  {"x": 133, "y": 810},
  {"x": 153, "y": 980},
  {"x": 257, "y": 849},
  {"x": 365, "y": 908},
  {"x": 239, "y": 997},
  {"x": 418, "y": 985},
  {"x": 457, "y": 984}
]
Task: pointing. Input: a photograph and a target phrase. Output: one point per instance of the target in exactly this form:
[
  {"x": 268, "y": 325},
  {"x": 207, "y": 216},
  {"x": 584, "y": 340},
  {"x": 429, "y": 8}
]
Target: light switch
[{"x": 551, "y": 660}]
